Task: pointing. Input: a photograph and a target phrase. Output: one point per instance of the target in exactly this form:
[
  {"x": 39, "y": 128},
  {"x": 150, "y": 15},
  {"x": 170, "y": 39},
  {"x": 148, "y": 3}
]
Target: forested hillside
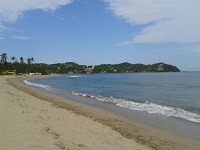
[{"x": 26, "y": 66}]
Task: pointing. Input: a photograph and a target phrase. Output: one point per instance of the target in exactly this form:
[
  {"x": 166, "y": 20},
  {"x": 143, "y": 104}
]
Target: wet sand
[{"x": 34, "y": 119}]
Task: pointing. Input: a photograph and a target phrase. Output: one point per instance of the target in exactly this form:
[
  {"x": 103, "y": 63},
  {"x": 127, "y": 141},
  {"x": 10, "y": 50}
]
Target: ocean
[{"x": 175, "y": 95}]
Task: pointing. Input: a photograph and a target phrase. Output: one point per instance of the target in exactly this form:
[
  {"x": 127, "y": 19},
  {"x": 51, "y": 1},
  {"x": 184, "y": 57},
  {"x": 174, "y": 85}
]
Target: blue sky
[{"x": 95, "y": 32}]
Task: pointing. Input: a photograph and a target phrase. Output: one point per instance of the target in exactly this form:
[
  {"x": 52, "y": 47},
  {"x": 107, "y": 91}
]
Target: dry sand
[{"x": 33, "y": 119}]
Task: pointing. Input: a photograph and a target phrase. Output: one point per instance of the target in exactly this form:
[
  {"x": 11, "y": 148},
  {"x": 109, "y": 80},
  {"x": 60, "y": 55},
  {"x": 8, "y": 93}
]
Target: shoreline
[
  {"x": 28, "y": 122},
  {"x": 172, "y": 124},
  {"x": 141, "y": 133}
]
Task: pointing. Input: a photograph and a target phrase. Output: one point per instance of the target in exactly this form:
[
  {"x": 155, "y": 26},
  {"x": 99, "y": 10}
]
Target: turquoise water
[{"x": 167, "y": 94}]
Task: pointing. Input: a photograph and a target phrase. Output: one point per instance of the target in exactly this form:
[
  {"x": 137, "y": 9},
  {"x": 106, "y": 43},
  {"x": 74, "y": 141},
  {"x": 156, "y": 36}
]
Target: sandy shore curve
[{"x": 34, "y": 119}]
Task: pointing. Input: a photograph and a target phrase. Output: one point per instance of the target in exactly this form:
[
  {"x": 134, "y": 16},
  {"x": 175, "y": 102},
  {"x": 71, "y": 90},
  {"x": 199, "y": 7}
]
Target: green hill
[
  {"x": 25, "y": 67},
  {"x": 131, "y": 68}
]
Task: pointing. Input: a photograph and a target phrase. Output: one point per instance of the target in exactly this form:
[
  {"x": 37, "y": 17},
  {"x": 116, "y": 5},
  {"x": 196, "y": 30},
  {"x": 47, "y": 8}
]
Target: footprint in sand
[
  {"x": 60, "y": 145},
  {"x": 41, "y": 117},
  {"x": 56, "y": 136},
  {"x": 47, "y": 129}
]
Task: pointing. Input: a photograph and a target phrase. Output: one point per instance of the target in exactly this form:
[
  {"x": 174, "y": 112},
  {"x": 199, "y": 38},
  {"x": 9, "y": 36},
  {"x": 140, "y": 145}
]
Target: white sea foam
[
  {"x": 47, "y": 87},
  {"x": 159, "y": 109},
  {"x": 148, "y": 107}
]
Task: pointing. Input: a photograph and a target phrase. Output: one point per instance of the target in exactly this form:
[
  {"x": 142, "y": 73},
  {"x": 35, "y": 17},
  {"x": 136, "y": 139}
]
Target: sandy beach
[{"x": 34, "y": 119}]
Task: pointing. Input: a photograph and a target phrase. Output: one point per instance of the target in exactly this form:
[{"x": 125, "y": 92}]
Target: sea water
[{"x": 174, "y": 95}]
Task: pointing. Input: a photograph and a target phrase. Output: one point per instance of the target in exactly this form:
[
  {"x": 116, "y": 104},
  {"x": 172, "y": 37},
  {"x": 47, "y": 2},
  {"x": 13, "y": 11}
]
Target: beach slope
[
  {"x": 34, "y": 119},
  {"x": 27, "y": 122}
]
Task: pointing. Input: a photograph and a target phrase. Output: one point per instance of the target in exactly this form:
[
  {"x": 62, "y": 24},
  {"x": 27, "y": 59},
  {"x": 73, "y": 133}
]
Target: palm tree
[
  {"x": 21, "y": 60},
  {"x": 3, "y": 58},
  {"x": 13, "y": 59},
  {"x": 3, "y": 61},
  {"x": 21, "y": 67},
  {"x": 32, "y": 59},
  {"x": 29, "y": 61}
]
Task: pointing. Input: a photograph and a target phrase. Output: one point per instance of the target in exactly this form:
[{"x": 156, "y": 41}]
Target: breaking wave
[
  {"x": 148, "y": 107},
  {"x": 47, "y": 87}
]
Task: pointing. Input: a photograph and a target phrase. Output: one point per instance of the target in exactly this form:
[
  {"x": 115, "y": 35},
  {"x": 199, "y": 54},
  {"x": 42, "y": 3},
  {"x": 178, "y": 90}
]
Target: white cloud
[
  {"x": 164, "y": 21},
  {"x": 12, "y": 10},
  {"x": 21, "y": 37}
]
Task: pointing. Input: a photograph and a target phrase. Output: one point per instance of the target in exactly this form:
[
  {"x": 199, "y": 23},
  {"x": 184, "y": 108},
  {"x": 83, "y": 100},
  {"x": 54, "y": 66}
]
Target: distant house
[
  {"x": 28, "y": 74},
  {"x": 37, "y": 73},
  {"x": 160, "y": 67},
  {"x": 11, "y": 72},
  {"x": 8, "y": 72},
  {"x": 89, "y": 70}
]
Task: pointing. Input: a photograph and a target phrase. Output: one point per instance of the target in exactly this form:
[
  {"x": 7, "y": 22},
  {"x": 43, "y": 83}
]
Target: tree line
[
  {"x": 134, "y": 68},
  {"x": 21, "y": 66},
  {"x": 25, "y": 66}
]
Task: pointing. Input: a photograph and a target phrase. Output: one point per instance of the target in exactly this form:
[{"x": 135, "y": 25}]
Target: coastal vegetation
[
  {"x": 22, "y": 66},
  {"x": 26, "y": 66},
  {"x": 131, "y": 68}
]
